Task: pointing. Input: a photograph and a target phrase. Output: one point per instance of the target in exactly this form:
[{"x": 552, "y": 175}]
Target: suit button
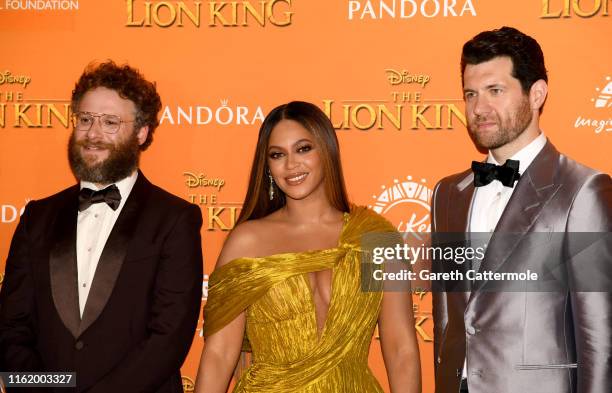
[
  {"x": 439, "y": 360},
  {"x": 79, "y": 345},
  {"x": 470, "y": 330}
]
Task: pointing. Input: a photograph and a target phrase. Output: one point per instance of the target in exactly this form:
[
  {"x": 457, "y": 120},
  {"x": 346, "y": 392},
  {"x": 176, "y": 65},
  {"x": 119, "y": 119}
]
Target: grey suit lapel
[
  {"x": 459, "y": 204},
  {"x": 63, "y": 265},
  {"x": 458, "y": 212},
  {"x": 533, "y": 191},
  {"x": 113, "y": 255}
]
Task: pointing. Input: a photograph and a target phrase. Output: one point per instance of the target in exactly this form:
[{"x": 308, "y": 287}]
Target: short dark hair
[
  {"x": 524, "y": 52},
  {"x": 130, "y": 84}
]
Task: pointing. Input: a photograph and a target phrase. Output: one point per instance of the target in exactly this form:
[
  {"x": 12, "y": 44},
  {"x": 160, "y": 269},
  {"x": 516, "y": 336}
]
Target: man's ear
[
  {"x": 142, "y": 134},
  {"x": 537, "y": 94}
]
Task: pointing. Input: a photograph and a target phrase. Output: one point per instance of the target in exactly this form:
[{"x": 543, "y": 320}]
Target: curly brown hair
[{"x": 130, "y": 84}]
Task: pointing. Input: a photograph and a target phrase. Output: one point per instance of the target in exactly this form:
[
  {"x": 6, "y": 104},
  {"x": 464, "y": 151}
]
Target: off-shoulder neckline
[{"x": 346, "y": 218}]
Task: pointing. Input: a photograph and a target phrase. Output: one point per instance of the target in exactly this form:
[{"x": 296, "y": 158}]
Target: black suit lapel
[
  {"x": 63, "y": 264},
  {"x": 533, "y": 191},
  {"x": 114, "y": 254}
]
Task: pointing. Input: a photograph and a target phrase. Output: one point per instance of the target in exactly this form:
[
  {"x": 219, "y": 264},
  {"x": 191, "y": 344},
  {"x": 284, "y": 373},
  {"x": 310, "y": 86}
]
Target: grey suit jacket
[{"x": 528, "y": 342}]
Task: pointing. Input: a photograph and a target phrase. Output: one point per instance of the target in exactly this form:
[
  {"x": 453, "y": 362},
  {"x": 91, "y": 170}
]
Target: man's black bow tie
[
  {"x": 110, "y": 195},
  {"x": 485, "y": 173}
]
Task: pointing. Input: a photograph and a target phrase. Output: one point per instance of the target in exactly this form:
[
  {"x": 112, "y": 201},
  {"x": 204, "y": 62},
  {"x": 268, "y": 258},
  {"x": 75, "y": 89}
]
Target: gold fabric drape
[{"x": 289, "y": 354}]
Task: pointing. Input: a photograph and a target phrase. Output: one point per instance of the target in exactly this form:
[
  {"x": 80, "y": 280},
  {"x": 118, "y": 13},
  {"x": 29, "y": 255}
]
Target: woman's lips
[{"x": 296, "y": 179}]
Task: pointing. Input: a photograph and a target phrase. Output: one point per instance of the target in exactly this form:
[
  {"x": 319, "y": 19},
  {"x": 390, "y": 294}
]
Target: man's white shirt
[
  {"x": 94, "y": 225},
  {"x": 490, "y": 201}
]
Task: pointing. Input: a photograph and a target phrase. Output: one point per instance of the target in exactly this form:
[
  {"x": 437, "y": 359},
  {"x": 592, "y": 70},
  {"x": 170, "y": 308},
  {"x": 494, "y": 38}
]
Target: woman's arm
[
  {"x": 222, "y": 349},
  {"x": 399, "y": 343},
  {"x": 219, "y": 357}
]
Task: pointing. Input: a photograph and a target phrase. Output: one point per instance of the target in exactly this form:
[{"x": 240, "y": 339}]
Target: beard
[
  {"x": 508, "y": 129},
  {"x": 121, "y": 162}
]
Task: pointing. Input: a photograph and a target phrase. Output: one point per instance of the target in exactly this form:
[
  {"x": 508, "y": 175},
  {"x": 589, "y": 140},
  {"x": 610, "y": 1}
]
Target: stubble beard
[{"x": 509, "y": 129}]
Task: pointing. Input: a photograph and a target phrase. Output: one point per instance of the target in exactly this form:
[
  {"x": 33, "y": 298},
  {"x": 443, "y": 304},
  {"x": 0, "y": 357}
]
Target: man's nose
[
  {"x": 95, "y": 131},
  {"x": 482, "y": 106}
]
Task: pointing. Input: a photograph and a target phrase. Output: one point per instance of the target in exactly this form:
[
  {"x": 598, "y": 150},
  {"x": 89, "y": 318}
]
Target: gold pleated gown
[{"x": 289, "y": 353}]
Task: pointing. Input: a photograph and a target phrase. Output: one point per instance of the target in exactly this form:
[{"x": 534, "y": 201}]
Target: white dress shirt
[
  {"x": 94, "y": 225},
  {"x": 489, "y": 202}
]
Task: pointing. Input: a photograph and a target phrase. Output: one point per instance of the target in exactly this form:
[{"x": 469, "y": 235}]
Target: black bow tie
[
  {"x": 110, "y": 195},
  {"x": 485, "y": 173}
]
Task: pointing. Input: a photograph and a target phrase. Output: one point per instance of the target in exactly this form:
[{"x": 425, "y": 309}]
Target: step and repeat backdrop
[{"x": 385, "y": 71}]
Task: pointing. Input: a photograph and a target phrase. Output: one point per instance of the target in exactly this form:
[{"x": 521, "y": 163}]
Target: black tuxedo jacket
[{"x": 144, "y": 302}]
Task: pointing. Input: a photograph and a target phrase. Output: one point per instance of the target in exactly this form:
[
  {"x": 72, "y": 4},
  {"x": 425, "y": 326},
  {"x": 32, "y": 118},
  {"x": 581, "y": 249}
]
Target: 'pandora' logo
[
  {"x": 201, "y": 115},
  {"x": 406, "y": 9}
]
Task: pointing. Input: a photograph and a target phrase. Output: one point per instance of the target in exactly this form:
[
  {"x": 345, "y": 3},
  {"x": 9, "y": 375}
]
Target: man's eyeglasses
[{"x": 110, "y": 124}]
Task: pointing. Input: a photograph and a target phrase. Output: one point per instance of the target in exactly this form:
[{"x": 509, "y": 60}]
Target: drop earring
[{"x": 271, "y": 191}]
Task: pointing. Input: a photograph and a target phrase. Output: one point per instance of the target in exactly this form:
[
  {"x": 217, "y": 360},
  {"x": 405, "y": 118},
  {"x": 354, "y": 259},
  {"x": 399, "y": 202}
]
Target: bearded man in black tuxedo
[{"x": 104, "y": 278}]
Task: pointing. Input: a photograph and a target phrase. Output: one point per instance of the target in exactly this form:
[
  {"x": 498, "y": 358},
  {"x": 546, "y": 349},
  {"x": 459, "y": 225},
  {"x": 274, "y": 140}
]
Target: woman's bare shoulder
[{"x": 245, "y": 240}]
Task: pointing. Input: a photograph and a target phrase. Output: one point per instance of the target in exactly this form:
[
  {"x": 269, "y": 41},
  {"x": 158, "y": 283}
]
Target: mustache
[
  {"x": 90, "y": 144},
  {"x": 484, "y": 119}
]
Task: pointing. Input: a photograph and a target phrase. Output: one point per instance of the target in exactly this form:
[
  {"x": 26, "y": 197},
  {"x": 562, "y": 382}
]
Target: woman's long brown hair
[{"x": 257, "y": 202}]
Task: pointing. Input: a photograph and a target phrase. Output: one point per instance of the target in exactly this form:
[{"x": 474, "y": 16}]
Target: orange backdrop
[{"x": 385, "y": 71}]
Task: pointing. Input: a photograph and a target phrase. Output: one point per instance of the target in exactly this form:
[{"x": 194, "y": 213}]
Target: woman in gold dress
[{"x": 289, "y": 276}]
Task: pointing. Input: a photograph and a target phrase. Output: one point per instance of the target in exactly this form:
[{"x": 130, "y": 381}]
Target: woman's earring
[{"x": 271, "y": 191}]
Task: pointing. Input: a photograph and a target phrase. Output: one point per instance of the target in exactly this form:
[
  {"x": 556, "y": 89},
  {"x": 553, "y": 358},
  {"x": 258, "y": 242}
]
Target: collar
[
  {"x": 124, "y": 185},
  {"x": 526, "y": 155}
]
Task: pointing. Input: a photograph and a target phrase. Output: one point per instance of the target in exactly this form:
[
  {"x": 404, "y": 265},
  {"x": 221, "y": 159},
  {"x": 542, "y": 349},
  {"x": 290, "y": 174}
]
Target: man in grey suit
[{"x": 493, "y": 341}]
